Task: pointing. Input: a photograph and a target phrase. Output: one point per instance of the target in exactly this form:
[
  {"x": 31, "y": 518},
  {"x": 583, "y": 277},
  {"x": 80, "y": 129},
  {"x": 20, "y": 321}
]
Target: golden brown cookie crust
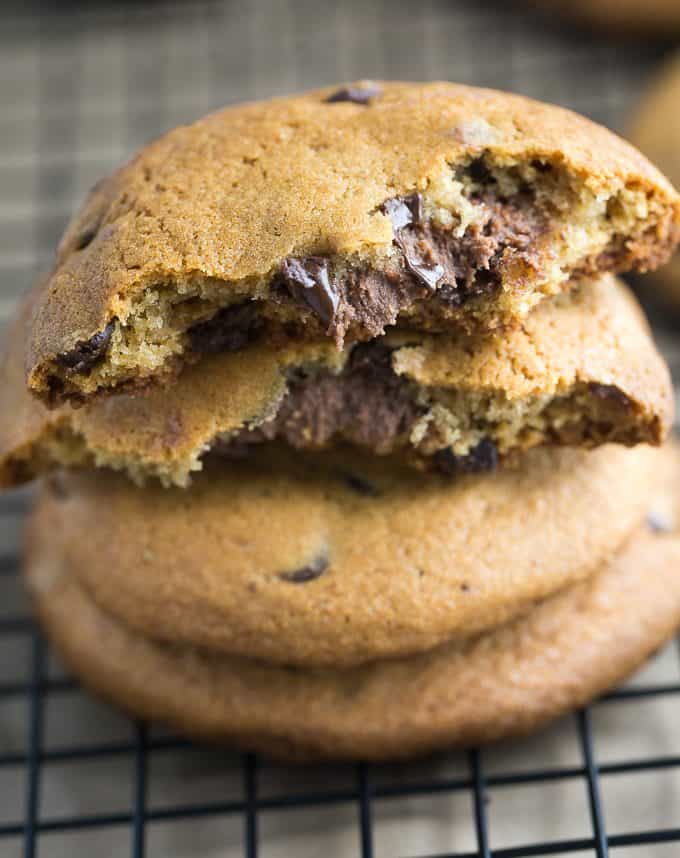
[
  {"x": 566, "y": 651},
  {"x": 582, "y": 370},
  {"x": 215, "y": 207},
  {"x": 323, "y": 559}
]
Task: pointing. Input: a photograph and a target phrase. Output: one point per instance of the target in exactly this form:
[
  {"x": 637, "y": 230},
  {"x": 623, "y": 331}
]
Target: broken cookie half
[
  {"x": 339, "y": 215},
  {"x": 581, "y": 371}
]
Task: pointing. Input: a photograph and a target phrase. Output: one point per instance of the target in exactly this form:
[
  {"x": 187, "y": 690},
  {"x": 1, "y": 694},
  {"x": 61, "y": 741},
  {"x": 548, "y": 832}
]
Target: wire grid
[{"x": 81, "y": 86}]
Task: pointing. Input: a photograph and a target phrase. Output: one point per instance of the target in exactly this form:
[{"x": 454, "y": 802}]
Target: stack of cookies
[{"x": 348, "y": 437}]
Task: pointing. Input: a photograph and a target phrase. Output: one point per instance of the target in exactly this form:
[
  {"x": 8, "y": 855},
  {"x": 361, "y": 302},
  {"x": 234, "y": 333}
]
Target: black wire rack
[
  {"x": 365, "y": 784},
  {"x": 81, "y": 86}
]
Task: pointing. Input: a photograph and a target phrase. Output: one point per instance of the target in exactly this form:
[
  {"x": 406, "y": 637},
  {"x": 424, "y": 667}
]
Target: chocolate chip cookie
[
  {"x": 338, "y": 214},
  {"x": 566, "y": 650},
  {"x": 312, "y": 559},
  {"x": 581, "y": 371}
]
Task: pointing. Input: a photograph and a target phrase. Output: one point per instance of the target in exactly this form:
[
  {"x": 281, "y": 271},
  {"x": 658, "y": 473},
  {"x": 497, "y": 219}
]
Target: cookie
[
  {"x": 655, "y": 128},
  {"x": 568, "y": 649},
  {"x": 656, "y": 16},
  {"x": 581, "y": 371},
  {"x": 312, "y": 559},
  {"x": 339, "y": 213}
]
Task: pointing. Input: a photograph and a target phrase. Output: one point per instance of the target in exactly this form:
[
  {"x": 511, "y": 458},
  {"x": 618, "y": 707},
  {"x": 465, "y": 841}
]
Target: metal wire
[{"x": 137, "y": 749}]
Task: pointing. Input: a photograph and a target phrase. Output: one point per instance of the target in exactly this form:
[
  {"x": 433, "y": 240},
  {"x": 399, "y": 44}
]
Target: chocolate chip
[
  {"x": 360, "y": 485},
  {"x": 610, "y": 392},
  {"x": 480, "y": 459},
  {"x": 355, "y": 94},
  {"x": 86, "y": 237},
  {"x": 228, "y": 330},
  {"x": 86, "y": 353},
  {"x": 308, "y": 281},
  {"x": 428, "y": 275},
  {"x": 306, "y": 573},
  {"x": 405, "y": 212}
]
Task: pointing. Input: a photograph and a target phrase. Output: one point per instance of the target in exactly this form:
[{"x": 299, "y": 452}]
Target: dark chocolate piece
[
  {"x": 481, "y": 459},
  {"x": 86, "y": 237},
  {"x": 307, "y": 573},
  {"x": 611, "y": 392},
  {"x": 228, "y": 330},
  {"x": 87, "y": 353},
  {"x": 308, "y": 281},
  {"x": 360, "y": 485},
  {"x": 405, "y": 212},
  {"x": 431, "y": 259},
  {"x": 355, "y": 94}
]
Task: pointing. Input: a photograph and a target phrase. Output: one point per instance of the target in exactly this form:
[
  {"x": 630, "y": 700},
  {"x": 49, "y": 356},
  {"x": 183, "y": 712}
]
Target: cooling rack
[{"x": 81, "y": 86}]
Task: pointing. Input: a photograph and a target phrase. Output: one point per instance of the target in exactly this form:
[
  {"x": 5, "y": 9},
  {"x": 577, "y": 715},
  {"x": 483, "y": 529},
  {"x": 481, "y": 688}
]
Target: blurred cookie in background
[
  {"x": 652, "y": 16},
  {"x": 655, "y": 129}
]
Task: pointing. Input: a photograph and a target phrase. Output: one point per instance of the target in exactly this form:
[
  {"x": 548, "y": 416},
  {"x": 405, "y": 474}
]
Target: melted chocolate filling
[
  {"x": 432, "y": 265},
  {"x": 367, "y": 404},
  {"x": 86, "y": 354},
  {"x": 230, "y": 329}
]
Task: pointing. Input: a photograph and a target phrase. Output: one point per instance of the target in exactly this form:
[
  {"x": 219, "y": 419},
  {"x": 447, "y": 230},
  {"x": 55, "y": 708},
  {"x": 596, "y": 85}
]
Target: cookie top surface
[
  {"x": 333, "y": 559},
  {"x": 314, "y": 215},
  {"x": 582, "y": 370},
  {"x": 567, "y": 650}
]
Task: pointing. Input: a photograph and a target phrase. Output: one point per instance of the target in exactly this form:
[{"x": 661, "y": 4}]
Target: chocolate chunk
[
  {"x": 228, "y": 330},
  {"x": 87, "y": 353},
  {"x": 406, "y": 212},
  {"x": 86, "y": 237},
  {"x": 355, "y": 94},
  {"x": 306, "y": 573},
  {"x": 610, "y": 392},
  {"x": 480, "y": 459},
  {"x": 308, "y": 280},
  {"x": 431, "y": 258},
  {"x": 428, "y": 275},
  {"x": 360, "y": 485}
]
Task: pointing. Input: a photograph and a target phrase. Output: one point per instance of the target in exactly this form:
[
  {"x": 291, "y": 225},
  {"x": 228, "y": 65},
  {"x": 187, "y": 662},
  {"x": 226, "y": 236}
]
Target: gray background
[{"x": 81, "y": 87}]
